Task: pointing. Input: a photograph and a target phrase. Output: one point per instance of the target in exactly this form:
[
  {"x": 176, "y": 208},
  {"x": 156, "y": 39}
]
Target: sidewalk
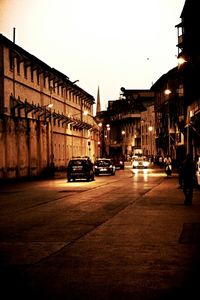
[{"x": 152, "y": 248}]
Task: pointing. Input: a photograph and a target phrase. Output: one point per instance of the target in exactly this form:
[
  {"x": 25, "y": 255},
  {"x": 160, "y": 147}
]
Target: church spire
[{"x": 98, "y": 107}]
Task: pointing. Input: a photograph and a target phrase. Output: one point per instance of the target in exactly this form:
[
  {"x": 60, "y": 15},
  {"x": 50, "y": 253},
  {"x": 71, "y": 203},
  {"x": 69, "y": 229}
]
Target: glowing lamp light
[
  {"x": 167, "y": 92},
  {"x": 150, "y": 128},
  {"x": 181, "y": 61},
  {"x": 50, "y": 105}
]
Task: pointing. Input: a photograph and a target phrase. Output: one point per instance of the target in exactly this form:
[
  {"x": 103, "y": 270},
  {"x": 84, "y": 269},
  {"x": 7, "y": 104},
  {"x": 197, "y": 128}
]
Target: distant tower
[{"x": 98, "y": 107}]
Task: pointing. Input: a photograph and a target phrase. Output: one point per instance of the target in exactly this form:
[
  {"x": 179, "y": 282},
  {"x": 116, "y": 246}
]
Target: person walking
[
  {"x": 179, "y": 165},
  {"x": 168, "y": 165},
  {"x": 188, "y": 175}
]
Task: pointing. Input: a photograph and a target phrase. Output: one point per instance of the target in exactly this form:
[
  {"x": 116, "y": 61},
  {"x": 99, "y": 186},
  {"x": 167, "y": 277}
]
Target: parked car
[
  {"x": 140, "y": 162},
  {"x": 80, "y": 168},
  {"x": 118, "y": 162},
  {"x": 104, "y": 166}
]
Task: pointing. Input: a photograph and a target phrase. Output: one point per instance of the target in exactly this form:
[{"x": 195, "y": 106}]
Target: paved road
[{"x": 127, "y": 236}]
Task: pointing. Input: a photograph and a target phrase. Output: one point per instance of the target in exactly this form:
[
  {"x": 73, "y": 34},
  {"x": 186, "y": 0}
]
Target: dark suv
[
  {"x": 80, "y": 168},
  {"x": 104, "y": 166}
]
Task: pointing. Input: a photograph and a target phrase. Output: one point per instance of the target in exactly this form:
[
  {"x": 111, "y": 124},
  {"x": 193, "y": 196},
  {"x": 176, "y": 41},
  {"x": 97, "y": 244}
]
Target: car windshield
[
  {"x": 78, "y": 162},
  {"x": 140, "y": 158},
  {"x": 103, "y": 163}
]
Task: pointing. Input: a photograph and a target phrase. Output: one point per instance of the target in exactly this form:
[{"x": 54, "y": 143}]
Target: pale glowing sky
[{"x": 105, "y": 43}]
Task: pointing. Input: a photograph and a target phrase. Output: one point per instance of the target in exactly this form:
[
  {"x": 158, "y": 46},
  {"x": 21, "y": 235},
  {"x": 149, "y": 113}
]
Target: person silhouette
[{"x": 188, "y": 175}]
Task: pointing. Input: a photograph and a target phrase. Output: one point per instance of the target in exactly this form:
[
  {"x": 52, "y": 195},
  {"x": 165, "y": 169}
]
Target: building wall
[
  {"x": 148, "y": 131},
  {"x": 33, "y": 135}
]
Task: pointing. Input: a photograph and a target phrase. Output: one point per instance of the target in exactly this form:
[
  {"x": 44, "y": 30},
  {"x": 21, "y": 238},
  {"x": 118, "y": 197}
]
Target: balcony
[{"x": 180, "y": 40}]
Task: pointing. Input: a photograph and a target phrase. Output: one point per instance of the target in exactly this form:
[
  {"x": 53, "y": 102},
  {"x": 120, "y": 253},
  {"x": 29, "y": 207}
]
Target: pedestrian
[
  {"x": 188, "y": 177},
  {"x": 160, "y": 161},
  {"x": 179, "y": 164}
]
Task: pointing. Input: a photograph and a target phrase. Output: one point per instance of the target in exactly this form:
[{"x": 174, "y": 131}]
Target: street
[{"x": 113, "y": 238}]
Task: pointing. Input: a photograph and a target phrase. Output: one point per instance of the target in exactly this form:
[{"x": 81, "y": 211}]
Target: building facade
[
  {"x": 121, "y": 124},
  {"x": 177, "y": 94},
  {"x": 148, "y": 132},
  {"x": 45, "y": 118},
  {"x": 169, "y": 114},
  {"x": 189, "y": 70}
]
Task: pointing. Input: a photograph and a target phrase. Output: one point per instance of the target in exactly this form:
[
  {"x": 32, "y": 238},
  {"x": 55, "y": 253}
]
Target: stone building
[
  {"x": 177, "y": 94},
  {"x": 45, "y": 118},
  {"x": 189, "y": 70},
  {"x": 121, "y": 124},
  {"x": 148, "y": 132}
]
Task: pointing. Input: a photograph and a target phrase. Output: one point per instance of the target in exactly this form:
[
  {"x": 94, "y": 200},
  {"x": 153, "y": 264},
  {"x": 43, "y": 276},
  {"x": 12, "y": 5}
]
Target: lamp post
[
  {"x": 123, "y": 142},
  {"x": 108, "y": 139},
  {"x": 150, "y": 130},
  {"x": 168, "y": 92},
  {"x": 100, "y": 141}
]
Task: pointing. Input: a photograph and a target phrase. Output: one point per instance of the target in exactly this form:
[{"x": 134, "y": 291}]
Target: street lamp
[
  {"x": 181, "y": 61},
  {"x": 107, "y": 136},
  {"x": 100, "y": 141},
  {"x": 168, "y": 92},
  {"x": 123, "y": 142},
  {"x": 150, "y": 130}
]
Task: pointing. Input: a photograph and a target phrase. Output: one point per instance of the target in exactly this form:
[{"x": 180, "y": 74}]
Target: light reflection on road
[{"x": 146, "y": 173}]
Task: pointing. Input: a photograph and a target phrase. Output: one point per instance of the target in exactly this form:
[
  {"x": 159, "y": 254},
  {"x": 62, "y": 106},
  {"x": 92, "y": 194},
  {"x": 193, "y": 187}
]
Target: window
[
  {"x": 18, "y": 67},
  {"x": 38, "y": 77},
  {"x": 31, "y": 74},
  {"x": 44, "y": 81},
  {"x": 25, "y": 71},
  {"x": 11, "y": 59}
]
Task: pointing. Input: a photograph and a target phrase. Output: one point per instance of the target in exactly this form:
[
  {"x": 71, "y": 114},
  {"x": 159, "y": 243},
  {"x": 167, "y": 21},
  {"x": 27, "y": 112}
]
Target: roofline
[{"x": 17, "y": 48}]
